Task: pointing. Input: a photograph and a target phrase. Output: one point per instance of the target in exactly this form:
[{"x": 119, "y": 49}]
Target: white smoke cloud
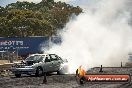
[{"x": 99, "y": 37}]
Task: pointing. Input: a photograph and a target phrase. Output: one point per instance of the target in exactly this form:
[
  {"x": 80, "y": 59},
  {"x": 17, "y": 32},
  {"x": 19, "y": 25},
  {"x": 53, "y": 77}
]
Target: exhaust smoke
[{"x": 99, "y": 36}]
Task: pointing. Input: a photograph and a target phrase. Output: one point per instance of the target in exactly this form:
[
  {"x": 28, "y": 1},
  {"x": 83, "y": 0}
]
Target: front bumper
[{"x": 23, "y": 70}]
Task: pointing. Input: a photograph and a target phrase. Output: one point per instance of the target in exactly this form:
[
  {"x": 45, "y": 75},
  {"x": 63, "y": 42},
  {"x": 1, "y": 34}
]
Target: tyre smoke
[{"x": 100, "y": 35}]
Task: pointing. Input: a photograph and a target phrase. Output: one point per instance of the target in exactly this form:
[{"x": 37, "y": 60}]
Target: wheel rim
[{"x": 40, "y": 72}]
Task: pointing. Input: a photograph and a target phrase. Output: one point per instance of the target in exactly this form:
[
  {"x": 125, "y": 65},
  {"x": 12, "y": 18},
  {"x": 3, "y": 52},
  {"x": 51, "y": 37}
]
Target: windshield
[
  {"x": 35, "y": 58},
  {"x": 130, "y": 58}
]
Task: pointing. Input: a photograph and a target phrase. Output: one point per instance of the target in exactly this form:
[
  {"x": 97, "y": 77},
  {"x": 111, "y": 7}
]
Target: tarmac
[{"x": 63, "y": 81}]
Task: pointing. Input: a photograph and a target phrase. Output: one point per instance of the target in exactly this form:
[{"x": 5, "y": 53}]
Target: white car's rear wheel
[{"x": 62, "y": 70}]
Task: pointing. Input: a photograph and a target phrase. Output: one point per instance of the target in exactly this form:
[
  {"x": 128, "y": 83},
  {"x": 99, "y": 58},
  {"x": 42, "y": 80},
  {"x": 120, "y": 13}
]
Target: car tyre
[
  {"x": 62, "y": 71},
  {"x": 18, "y": 75},
  {"x": 39, "y": 71}
]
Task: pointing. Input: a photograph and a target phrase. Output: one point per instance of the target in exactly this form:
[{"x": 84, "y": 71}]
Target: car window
[
  {"x": 53, "y": 57},
  {"x": 47, "y": 59},
  {"x": 130, "y": 58},
  {"x": 41, "y": 59},
  {"x": 33, "y": 58},
  {"x": 59, "y": 58}
]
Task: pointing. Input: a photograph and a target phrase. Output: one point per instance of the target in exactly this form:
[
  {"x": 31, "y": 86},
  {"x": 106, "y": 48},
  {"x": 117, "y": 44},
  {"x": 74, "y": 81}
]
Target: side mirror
[
  {"x": 47, "y": 60},
  {"x": 23, "y": 61}
]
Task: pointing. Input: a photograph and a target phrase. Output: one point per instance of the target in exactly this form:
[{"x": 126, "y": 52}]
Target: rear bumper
[{"x": 23, "y": 70}]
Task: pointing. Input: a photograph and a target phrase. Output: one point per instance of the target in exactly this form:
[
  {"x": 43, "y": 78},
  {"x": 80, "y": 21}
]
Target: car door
[
  {"x": 55, "y": 62},
  {"x": 47, "y": 64}
]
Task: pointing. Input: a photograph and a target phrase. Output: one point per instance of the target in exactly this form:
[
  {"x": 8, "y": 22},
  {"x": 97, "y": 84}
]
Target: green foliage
[{"x": 30, "y": 19}]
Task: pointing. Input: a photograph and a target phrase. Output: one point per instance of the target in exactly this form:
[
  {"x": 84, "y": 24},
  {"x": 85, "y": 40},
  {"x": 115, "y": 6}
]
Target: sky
[
  {"x": 72, "y": 2},
  {"x": 6, "y": 2}
]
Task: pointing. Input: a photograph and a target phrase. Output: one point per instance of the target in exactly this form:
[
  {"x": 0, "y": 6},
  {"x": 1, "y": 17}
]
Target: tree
[{"x": 30, "y": 19}]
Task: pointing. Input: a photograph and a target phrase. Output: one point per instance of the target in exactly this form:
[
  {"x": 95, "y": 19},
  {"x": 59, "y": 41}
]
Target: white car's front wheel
[{"x": 39, "y": 71}]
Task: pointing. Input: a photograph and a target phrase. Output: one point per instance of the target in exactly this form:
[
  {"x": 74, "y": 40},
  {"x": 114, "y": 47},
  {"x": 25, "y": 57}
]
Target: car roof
[{"x": 41, "y": 54}]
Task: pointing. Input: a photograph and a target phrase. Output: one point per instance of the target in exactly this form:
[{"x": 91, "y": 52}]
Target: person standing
[{"x": 44, "y": 79}]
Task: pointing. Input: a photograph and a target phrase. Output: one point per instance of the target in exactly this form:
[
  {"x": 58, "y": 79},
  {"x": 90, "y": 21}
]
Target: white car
[{"x": 39, "y": 63}]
